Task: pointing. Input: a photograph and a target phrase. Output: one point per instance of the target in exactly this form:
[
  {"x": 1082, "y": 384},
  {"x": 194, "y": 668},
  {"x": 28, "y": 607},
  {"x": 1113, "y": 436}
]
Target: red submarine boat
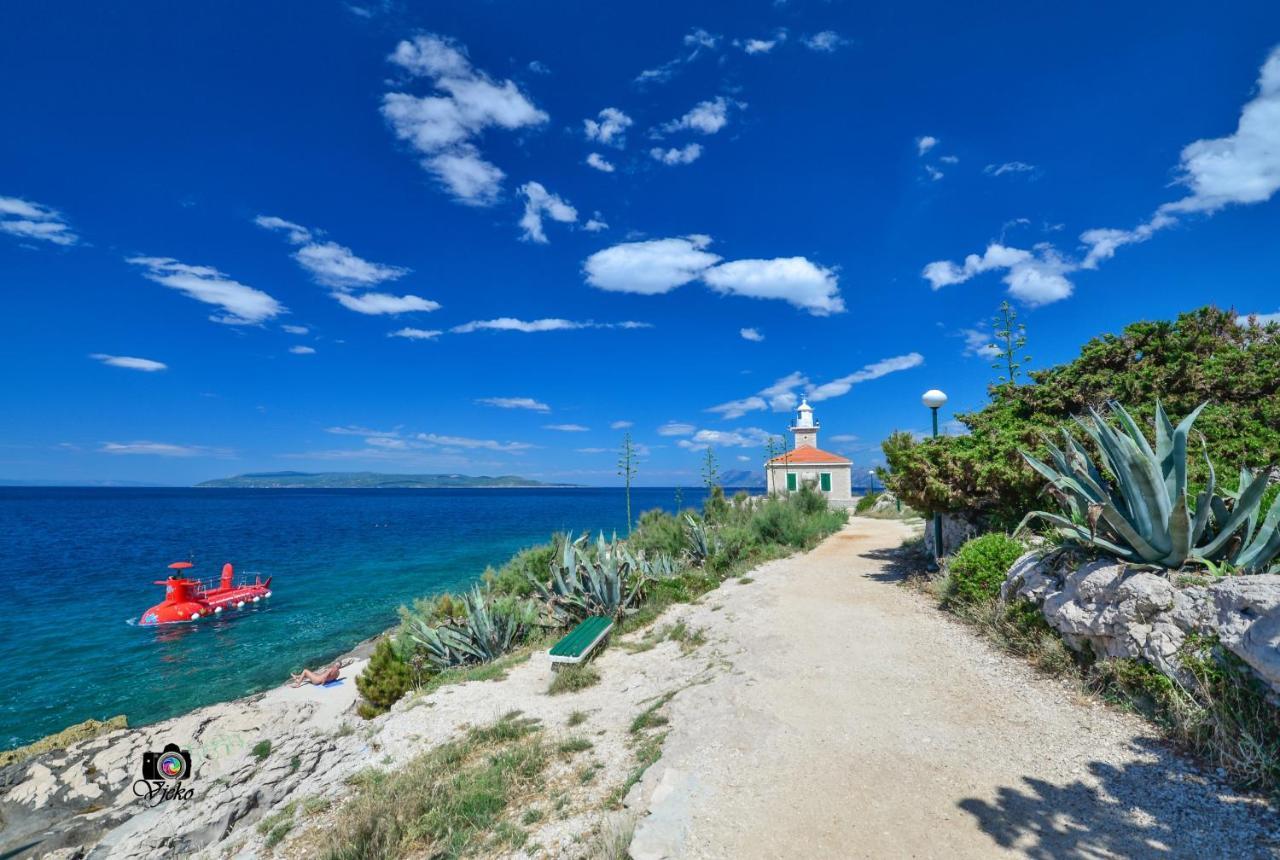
[{"x": 190, "y": 600}]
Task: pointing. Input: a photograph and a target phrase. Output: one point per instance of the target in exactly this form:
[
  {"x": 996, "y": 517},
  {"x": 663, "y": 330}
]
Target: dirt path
[{"x": 857, "y": 721}]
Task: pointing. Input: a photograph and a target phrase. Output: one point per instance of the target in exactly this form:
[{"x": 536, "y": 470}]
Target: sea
[{"x": 78, "y": 566}]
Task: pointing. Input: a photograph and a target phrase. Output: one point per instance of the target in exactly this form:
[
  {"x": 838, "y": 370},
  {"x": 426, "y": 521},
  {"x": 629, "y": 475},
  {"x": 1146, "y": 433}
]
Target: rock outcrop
[{"x": 1120, "y": 611}]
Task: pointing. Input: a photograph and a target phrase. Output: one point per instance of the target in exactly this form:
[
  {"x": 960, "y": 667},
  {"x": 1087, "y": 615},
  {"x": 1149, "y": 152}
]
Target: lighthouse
[{"x": 807, "y": 465}]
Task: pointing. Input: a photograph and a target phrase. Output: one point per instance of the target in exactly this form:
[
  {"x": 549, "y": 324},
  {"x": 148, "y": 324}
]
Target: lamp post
[
  {"x": 935, "y": 400},
  {"x": 872, "y": 474}
]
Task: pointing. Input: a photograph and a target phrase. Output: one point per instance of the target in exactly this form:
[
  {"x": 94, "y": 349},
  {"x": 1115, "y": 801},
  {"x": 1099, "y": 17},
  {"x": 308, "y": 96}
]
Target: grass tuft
[{"x": 573, "y": 678}]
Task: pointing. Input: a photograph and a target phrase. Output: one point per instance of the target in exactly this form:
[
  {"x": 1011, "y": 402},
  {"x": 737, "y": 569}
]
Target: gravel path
[{"x": 859, "y": 721}]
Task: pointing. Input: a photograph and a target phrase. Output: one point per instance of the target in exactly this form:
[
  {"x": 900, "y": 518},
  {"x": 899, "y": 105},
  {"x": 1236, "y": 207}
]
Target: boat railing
[{"x": 204, "y": 586}]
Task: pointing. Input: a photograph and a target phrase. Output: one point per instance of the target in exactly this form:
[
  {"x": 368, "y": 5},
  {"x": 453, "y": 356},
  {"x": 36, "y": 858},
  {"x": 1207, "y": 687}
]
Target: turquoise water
[{"x": 77, "y": 567}]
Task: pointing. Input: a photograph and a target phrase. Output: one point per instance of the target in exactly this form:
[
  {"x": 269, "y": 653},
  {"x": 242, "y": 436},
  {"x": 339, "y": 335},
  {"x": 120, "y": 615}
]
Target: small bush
[
  {"x": 261, "y": 750},
  {"x": 513, "y": 577},
  {"x": 737, "y": 543},
  {"x": 809, "y": 501},
  {"x": 659, "y": 532},
  {"x": 867, "y": 502},
  {"x": 979, "y": 567},
  {"x": 382, "y": 682},
  {"x": 573, "y": 678}
]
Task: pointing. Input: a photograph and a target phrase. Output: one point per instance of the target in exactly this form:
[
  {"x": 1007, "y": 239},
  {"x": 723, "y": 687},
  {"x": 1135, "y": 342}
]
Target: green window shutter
[
  {"x": 791, "y": 482},
  {"x": 825, "y": 481}
]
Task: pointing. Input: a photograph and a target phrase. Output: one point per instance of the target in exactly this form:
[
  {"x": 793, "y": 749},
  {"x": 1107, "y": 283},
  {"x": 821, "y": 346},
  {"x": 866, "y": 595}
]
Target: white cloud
[
  {"x": 1035, "y": 278},
  {"x": 762, "y": 46},
  {"x": 934, "y": 173},
  {"x": 782, "y": 395},
  {"x": 883, "y": 367},
  {"x": 158, "y": 449},
  {"x": 925, "y": 143},
  {"x": 978, "y": 342},
  {"x": 302, "y": 350},
  {"x": 242, "y": 305},
  {"x": 130, "y": 362},
  {"x": 677, "y": 155},
  {"x": 1242, "y": 168},
  {"x": 700, "y": 38},
  {"x": 949, "y": 159},
  {"x": 746, "y": 437},
  {"x": 416, "y": 334},
  {"x": 676, "y": 428},
  {"x": 444, "y": 127},
  {"x": 566, "y": 428},
  {"x": 530, "y": 326},
  {"x": 597, "y": 161},
  {"x": 792, "y": 279},
  {"x": 825, "y": 42},
  {"x": 28, "y": 220},
  {"x": 1008, "y": 167},
  {"x": 538, "y": 201},
  {"x": 621, "y": 425},
  {"x": 609, "y": 128},
  {"x": 515, "y": 403},
  {"x": 295, "y": 329},
  {"x": 329, "y": 263},
  {"x": 467, "y": 442},
  {"x": 384, "y": 303},
  {"x": 751, "y": 335},
  {"x": 1261, "y": 319},
  {"x": 649, "y": 267},
  {"x": 595, "y": 224},
  {"x": 707, "y": 117},
  {"x": 660, "y": 265}
]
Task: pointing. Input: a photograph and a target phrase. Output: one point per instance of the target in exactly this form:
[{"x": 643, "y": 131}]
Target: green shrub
[
  {"x": 809, "y": 501},
  {"x": 867, "y": 502},
  {"x": 513, "y": 578},
  {"x": 737, "y": 543},
  {"x": 382, "y": 682},
  {"x": 1202, "y": 355},
  {"x": 658, "y": 532},
  {"x": 979, "y": 567},
  {"x": 261, "y": 750}
]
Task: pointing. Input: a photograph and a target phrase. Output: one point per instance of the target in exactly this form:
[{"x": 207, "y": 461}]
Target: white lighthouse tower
[
  {"x": 807, "y": 465},
  {"x": 804, "y": 427}
]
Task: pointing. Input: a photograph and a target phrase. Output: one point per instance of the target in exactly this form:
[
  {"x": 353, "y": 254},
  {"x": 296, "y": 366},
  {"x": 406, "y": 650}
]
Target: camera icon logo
[{"x": 171, "y": 763}]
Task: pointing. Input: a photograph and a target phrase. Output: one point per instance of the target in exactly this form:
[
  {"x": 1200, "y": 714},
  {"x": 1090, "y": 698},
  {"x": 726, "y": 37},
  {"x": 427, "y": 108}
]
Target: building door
[
  {"x": 824, "y": 481},
  {"x": 791, "y": 482}
]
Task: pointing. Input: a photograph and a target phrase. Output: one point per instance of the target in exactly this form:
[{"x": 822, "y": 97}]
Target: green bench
[{"x": 577, "y": 646}]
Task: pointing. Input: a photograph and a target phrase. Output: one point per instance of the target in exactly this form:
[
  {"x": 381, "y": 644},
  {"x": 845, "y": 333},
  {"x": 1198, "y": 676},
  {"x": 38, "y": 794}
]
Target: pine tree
[{"x": 383, "y": 681}]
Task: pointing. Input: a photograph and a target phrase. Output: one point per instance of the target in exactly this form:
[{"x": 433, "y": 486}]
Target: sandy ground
[{"x": 859, "y": 721}]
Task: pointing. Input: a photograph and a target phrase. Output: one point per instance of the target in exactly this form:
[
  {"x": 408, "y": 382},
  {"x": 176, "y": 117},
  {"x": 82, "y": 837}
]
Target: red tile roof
[{"x": 806, "y": 456}]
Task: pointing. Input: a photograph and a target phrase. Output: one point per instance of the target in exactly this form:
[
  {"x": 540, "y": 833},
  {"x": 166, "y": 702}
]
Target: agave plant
[
  {"x": 488, "y": 629},
  {"x": 1146, "y": 516},
  {"x": 702, "y": 542},
  {"x": 661, "y": 566},
  {"x": 608, "y": 581}
]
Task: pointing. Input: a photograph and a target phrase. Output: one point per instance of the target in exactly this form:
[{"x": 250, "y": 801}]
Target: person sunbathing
[{"x": 323, "y": 676}]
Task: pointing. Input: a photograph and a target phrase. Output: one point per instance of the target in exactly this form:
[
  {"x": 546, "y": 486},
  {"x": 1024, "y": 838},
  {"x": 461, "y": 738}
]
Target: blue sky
[{"x": 485, "y": 237}]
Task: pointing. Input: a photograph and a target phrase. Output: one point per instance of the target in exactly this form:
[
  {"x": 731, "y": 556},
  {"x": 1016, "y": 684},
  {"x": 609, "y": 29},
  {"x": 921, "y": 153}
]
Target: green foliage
[
  {"x": 1203, "y": 355},
  {"x": 710, "y": 469},
  {"x": 700, "y": 539},
  {"x": 514, "y": 577},
  {"x": 444, "y": 802},
  {"x": 867, "y": 502},
  {"x": 627, "y": 471},
  {"x": 573, "y": 678},
  {"x": 978, "y": 568},
  {"x": 716, "y": 508},
  {"x": 261, "y": 750},
  {"x": 659, "y": 532},
  {"x": 736, "y": 544},
  {"x": 609, "y": 581},
  {"x": 490, "y": 627},
  {"x": 1010, "y": 338},
  {"x": 383, "y": 681},
  {"x": 1145, "y": 516},
  {"x": 809, "y": 501}
]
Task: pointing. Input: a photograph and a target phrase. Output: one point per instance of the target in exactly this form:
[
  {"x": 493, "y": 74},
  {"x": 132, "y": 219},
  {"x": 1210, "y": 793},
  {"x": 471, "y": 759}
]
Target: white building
[{"x": 807, "y": 464}]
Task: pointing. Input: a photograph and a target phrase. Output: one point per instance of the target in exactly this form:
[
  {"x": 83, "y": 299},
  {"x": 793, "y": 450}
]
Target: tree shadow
[
  {"x": 899, "y": 564},
  {"x": 1156, "y": 807}
]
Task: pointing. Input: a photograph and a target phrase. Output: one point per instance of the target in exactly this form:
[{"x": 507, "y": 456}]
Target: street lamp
[
  {"x": 872, "y": 473},
  {"x": 935, "y": 400}
]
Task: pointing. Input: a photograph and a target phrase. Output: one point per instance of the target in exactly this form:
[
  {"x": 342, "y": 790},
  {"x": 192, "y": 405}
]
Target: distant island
[{"x": 369, "y": 481}]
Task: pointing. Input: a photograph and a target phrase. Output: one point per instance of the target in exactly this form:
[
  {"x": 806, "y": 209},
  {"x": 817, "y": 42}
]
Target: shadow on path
[{"x": 1142, "y": 809}]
